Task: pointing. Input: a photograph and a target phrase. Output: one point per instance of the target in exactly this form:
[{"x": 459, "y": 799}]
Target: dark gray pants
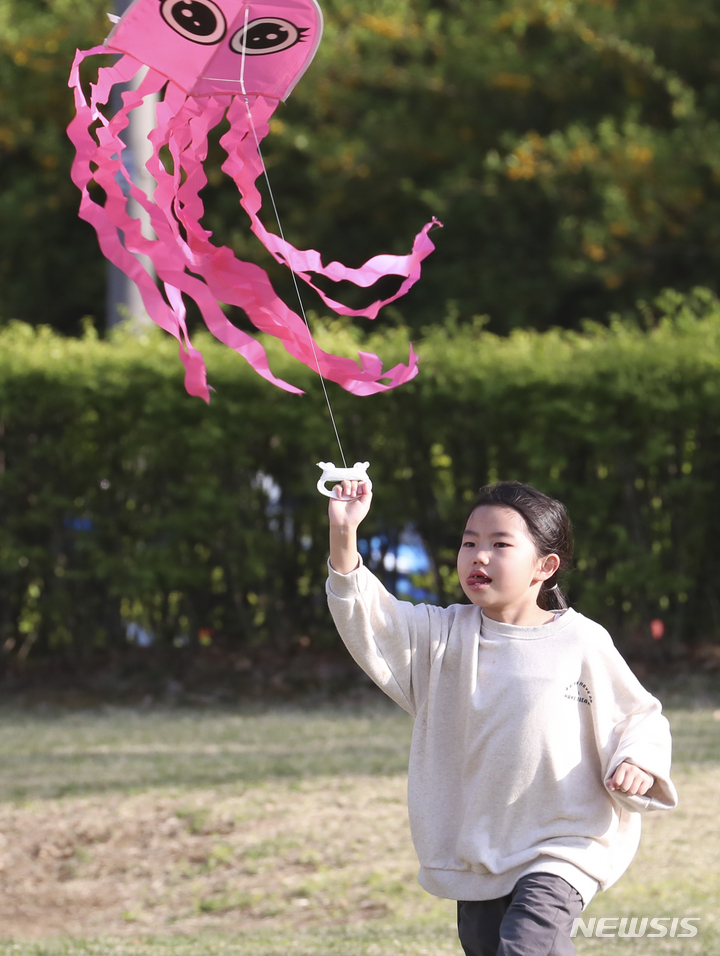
[{"x": 534, "y": 920}]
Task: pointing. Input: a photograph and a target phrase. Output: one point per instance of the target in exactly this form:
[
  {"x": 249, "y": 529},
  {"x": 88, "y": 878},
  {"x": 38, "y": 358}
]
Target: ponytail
[{"x": 552, "y": 598}]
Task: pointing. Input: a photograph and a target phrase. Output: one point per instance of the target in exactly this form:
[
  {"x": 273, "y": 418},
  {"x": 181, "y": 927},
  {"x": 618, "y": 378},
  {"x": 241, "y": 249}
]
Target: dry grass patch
[{"x": 320, "y": 851}]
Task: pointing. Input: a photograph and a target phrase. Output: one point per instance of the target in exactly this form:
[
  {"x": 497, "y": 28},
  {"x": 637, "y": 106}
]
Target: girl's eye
[{"x": 501, "y": 544}]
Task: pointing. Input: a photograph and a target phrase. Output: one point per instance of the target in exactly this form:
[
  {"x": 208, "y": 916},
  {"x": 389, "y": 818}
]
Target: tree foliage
[
  {"x": 50, "y": 268},
  {"x": 571, "y": 149}
]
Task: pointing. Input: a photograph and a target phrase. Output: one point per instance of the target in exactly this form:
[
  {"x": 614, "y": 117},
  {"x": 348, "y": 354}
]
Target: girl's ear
[{"x": 547, "y": 566}]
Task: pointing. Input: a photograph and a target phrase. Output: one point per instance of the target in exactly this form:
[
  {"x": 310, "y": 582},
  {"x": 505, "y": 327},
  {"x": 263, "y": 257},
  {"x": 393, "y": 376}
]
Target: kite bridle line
[{"x": 282, "y": 236}]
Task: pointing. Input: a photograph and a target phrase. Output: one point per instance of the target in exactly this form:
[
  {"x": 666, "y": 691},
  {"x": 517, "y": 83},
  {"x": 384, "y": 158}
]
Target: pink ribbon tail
[{"x": 250, "y": 120}]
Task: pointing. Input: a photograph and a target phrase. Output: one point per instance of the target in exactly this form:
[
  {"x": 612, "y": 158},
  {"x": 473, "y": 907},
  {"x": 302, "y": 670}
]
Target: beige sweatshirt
[{"x": 517, "y": 731}]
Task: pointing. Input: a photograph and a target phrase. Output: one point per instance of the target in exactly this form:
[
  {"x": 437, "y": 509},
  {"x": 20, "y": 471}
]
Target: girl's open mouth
[{"x": 478, "y": 579}]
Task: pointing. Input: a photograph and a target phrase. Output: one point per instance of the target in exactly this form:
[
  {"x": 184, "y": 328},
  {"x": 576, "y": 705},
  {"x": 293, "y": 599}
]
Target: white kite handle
[{"x": 358, "y": 472}]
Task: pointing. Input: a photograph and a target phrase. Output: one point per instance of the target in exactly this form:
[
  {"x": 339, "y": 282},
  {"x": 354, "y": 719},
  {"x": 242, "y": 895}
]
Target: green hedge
[{"x": 125, "y": 500}]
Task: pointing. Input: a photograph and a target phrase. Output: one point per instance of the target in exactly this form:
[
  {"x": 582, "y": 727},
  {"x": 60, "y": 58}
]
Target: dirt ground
[{"x": 312, "y": 851}]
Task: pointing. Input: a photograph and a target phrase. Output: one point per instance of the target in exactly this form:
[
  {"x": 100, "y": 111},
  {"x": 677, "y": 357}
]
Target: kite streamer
[{"x": 209, "y": 60}]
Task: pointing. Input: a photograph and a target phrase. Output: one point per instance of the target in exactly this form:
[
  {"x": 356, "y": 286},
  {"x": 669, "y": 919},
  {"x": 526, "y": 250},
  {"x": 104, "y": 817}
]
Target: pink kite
[{"x": 211, "y": 59}]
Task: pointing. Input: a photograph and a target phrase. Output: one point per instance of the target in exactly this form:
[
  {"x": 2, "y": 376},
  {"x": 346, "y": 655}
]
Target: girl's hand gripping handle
[
  {"x": 357, "y": 473},
  {"x": 346, "y": 509}
]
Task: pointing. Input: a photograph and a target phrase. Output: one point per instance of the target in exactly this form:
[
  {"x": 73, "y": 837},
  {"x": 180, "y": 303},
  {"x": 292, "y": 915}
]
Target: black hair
[{"x": 548, "y": 525}]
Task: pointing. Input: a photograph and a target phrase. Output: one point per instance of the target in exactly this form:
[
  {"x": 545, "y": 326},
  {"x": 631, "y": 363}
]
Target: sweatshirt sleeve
[
  {"x": 631, "y": 726},
  {"x": 391, "y": 640}
]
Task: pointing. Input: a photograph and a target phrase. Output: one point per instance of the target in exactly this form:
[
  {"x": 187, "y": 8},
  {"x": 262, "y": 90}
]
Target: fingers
[
  {"x": 631, "y": 780},
  {"x": 349, "y": 503},
  {"x": 350, "y": 490}
]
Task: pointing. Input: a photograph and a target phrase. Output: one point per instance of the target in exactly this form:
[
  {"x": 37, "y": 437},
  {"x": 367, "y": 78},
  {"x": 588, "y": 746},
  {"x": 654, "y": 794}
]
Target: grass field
[{"x": 178, "y": 832}]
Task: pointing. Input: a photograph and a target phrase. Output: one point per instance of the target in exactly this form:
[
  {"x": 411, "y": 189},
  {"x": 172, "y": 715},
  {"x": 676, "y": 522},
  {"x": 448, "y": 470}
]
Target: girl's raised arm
[{"x": 345, "y": 516}]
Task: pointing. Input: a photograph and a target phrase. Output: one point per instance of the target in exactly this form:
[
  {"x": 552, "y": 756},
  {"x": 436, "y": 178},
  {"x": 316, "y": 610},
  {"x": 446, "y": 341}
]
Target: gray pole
[{"x": 123, "y": 301}]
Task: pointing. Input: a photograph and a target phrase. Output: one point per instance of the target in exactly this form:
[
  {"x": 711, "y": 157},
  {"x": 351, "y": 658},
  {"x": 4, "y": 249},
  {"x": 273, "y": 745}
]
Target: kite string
[
  {"x": 282, "y": 236},
  {"x": 299, "y": 297}
]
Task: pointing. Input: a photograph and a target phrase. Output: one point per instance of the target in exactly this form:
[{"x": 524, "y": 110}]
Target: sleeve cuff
[
  {"x": 346, "y": 585},
  {"x": 661, "y": 796}
]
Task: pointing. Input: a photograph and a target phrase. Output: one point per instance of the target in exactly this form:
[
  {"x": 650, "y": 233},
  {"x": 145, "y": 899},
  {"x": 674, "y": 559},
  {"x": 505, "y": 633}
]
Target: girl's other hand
[
  {"x": 631, "y": 779},
  {"x": 349, "y": 514}
]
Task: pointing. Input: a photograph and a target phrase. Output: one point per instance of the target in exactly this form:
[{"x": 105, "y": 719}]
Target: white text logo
[{"x": 626, "y": 927}]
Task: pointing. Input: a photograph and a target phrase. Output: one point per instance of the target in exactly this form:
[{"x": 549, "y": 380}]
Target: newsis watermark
[{"x": 626, "y": 927}]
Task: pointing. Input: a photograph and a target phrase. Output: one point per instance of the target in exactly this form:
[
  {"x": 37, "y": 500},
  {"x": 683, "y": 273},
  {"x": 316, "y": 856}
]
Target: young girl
[{"x": 534, "y": 747}]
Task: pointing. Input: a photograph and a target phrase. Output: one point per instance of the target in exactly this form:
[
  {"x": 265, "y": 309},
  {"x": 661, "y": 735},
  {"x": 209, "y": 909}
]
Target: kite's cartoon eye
[
  {"x": 201, "y": 21},
  {"x": 266, "y": 35}
]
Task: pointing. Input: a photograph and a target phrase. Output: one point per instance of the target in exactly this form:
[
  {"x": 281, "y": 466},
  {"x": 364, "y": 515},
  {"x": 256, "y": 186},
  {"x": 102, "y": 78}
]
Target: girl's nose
[{"x": 481, "y": 557}]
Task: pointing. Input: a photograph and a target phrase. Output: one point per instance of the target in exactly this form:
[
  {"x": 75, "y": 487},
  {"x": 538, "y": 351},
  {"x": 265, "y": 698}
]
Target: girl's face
[{"x": 499, "y": 567}]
